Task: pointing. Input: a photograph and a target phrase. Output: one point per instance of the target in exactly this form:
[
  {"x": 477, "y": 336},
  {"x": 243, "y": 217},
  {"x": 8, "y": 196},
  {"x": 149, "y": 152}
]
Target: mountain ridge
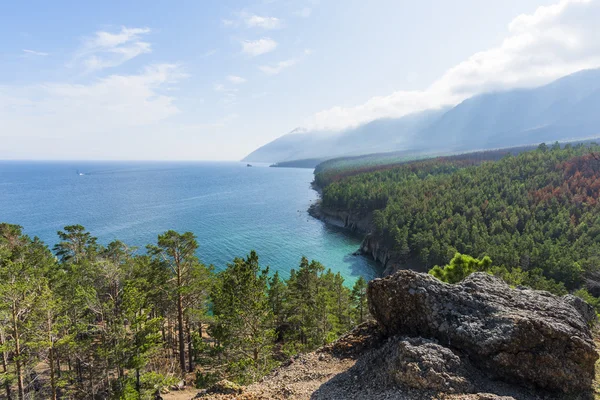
[{"x": 560, "y": 110}]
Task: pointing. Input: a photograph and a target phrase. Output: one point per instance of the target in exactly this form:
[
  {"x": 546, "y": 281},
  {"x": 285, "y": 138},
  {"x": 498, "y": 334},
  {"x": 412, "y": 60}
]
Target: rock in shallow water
[{"x": 524, "y": 336}]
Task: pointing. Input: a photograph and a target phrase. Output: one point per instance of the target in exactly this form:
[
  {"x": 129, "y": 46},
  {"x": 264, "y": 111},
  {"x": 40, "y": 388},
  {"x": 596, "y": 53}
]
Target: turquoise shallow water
[{"x": 231, "y": 208}]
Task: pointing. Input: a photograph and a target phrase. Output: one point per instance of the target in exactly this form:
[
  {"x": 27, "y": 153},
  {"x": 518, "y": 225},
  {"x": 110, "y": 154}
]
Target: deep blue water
[{"x": 231, "y": 209}]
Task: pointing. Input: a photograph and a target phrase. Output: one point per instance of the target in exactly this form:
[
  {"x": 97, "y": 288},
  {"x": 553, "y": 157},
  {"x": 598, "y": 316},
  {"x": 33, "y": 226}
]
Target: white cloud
[
  {"x": 228, "y": 94},
  {"x": 57, "y": 111},
  {"x": 228, "y": 99},
  {"x": 258, "y": 47},
  {"x": 217, "y": 124},
  {"x": 277, "y": 68},
  {"x": 236, "y": 79},
  {"x": 228, "y": 22},
  {"x": 106, "y": 49},
  {"x": 253, "y": 21},
  {"x": 219, "y": 87},
  {"x": 554, "y": 41},
  {"x": 281, "y": 65},
  {"x": 304, "y": 13},
  {"x": 256, "y": 21},
  {"x": 35, "y": 53}
]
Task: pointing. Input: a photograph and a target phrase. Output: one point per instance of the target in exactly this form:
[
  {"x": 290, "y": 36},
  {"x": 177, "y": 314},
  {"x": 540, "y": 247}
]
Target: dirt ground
[{"x": 331, "y": 374}]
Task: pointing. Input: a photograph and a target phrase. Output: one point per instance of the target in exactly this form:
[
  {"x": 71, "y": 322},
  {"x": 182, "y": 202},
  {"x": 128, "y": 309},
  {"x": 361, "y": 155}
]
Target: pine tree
[
  {"x": 23, "y": 287},
  {"x": 177, "y": 253},
  {"x": 359, "y": 299},
  {"x": 244, "y": 319},
  {"x": 276, "y": 296}
]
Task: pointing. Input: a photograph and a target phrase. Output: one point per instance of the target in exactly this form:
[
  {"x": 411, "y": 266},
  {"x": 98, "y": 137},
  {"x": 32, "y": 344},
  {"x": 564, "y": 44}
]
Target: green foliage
[
  {"x": 243, "y": 317},
  {"x": 317, "y": 307},
  {"x": 536, "y": 210},
  {"x": 150, "y": 384},
  {"x": 108, "y": 322},
  {"x": 204, "y": 380},
  {"x": 175, "y": 255},
  {"x": 460, "y": 267},
  {"x": 359, "y": 300}
]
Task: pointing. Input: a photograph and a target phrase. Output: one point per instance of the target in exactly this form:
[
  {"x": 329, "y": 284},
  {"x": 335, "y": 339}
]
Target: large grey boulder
[
  {"x": 423, "y": 364},
  {"x": 587, "y": 311},
  {"x": 524, "y": 336}
]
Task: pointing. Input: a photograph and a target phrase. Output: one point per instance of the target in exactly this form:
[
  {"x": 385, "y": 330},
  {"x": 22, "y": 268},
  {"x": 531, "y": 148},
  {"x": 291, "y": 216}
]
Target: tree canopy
[
  {"x": 112, "y": 322},
  {"x": 537, "y": 210}
]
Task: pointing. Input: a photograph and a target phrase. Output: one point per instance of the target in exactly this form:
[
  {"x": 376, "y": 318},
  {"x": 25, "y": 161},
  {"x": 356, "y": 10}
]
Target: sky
[{"x": 214, "y": 80}]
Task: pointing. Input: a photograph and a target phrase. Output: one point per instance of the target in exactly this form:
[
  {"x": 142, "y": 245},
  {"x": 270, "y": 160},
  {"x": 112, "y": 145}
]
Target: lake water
[{"x": 231, "y": 208}]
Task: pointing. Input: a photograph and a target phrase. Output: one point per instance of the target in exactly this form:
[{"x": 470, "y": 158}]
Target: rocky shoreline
[{"x": 371, "y": 246}]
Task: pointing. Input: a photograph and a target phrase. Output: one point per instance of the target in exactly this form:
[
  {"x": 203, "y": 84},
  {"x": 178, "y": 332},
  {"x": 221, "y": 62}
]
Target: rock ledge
[{"x": 523, "y": 336}]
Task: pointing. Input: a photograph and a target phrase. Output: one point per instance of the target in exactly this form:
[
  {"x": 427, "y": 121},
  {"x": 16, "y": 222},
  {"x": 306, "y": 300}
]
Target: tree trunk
[
  {"x": 91, "y": 371},
  {"x": 79, "y": 371},
  {"x": 190, "y": 347},
  {"x": 51, "y": 358},
  {"x": 138, "y": 386},
  {"x": 180, "y": 317},
  {"x": 181, "y": 333},
  {"x": 5, "y": 367},
  {"x": 18, "y": 366},
  {"x": 52, "y": 376},
  {"x": 57, "y": 357}
]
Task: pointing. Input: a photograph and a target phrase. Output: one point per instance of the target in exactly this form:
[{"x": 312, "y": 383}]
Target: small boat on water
[{"x": 248, "y": 165}]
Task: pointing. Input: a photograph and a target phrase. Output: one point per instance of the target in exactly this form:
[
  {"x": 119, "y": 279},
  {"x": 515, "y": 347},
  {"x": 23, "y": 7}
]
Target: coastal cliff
[
  {"x": 354, "y": 222},
  {"x": 371, "y": 246}
]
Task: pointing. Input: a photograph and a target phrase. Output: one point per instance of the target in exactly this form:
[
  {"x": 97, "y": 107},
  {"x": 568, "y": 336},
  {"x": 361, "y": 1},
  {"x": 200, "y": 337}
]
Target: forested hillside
[
  {"x": 338, "y": 168},
  {"x": 91, "y": 321},
  {"x": 535, "y": 213}
]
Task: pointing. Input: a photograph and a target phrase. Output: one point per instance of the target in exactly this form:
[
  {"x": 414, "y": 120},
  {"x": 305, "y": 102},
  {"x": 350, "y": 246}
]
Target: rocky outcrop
[
  {"x": 361, "y": 339},
  {"x": 422, "y": 364},
  {"x": 372, "y": 247},
  {"x": 341, "y": 218},
  {"x": 587, "y": 312},
  {"x": 524, "y": 336}
]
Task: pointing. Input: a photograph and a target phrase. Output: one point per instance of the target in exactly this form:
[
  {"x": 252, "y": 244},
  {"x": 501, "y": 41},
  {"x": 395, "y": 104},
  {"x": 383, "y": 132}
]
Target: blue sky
[{"x": 213, "y": 80}]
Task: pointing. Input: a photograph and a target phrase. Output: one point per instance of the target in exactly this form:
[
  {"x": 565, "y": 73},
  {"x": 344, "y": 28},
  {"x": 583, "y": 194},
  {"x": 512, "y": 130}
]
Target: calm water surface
[{"x": 231, "y": 208}]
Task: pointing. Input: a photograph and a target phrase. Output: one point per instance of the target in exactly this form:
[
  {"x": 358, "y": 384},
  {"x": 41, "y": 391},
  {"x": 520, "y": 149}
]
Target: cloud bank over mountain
[
  {"x": 554, "y": 41},
  {"x": 561, "y": 110}
]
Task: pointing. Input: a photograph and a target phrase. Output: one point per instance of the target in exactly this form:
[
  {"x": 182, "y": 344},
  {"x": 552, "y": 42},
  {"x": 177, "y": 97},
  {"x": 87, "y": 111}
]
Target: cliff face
[
  {"x": 354, "y": 222},
  {"x": 371, "y": 246}
]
